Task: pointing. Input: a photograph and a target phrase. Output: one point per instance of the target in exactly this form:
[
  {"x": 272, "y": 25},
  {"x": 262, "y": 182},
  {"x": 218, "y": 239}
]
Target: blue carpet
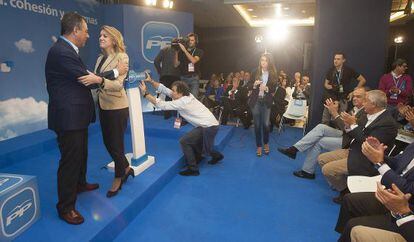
[
  {"x": 244, "y": 198},
  {"x": 104, "y": 218}
]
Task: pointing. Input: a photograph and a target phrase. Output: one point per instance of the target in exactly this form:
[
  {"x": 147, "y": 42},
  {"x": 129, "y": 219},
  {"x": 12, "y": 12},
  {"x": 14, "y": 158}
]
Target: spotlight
[
  {"x": 277, "y": 32},
  {"x": 167, "y": 4},
  {"x": 151, "y": 2},
  {"x": 399, "y": 40}
]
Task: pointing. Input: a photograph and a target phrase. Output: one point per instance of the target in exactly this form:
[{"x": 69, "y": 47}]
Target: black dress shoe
[
  {"x": 289, "y": 152},
  {"x": 189, "y": 172},
  {"x": 88, "y": 187},
  {"x": 304, "y": 174},
  {"x": 215, "y": 159},
  {"x": 72, "y": 217},
  {"x": 113, "y": 193}
]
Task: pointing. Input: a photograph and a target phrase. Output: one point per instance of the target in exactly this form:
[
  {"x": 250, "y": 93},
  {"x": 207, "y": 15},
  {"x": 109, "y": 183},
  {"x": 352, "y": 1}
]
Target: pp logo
[
  {"x": 155, "y": 36},
  {"x": 7, "y": 182},
  {"x": 18, "y": 211}
]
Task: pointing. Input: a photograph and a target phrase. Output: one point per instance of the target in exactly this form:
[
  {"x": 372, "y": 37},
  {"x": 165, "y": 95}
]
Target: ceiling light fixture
[
  {"x": 278, "y": 8},
  {"x": 399, "y": 39},
  {"x": 167, "y": 4},
  {"x": 151, "y": 2}
]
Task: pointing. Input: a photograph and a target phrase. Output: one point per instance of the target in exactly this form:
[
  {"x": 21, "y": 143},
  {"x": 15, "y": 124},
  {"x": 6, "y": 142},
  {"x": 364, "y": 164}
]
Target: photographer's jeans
[{"x": 193, "y": 83}]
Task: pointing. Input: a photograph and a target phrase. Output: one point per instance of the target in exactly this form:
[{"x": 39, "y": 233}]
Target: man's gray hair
[{"x": 378, "y": 98}]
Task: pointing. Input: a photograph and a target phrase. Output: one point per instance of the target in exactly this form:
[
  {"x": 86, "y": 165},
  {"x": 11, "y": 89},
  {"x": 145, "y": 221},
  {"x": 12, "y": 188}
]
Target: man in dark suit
[
  {"x": 378, "y": 123},
  {"x": 363, "y": 208},
  {"x": 70, "y": 111}
]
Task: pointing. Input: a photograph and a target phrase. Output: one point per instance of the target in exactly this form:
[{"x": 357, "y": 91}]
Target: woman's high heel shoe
[
  {"x": 266, "y": 149},
  {"x": 259, "y": 151},
  {"x": 129, "y": 173},
  {"x": 113, "y": 193}
]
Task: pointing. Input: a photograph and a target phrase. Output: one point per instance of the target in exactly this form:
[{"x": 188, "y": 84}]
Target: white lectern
[{"x": 139, "y": 159}]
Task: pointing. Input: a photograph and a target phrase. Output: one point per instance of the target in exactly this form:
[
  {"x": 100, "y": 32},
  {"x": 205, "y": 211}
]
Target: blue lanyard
[{"x": 338, "y": 77}]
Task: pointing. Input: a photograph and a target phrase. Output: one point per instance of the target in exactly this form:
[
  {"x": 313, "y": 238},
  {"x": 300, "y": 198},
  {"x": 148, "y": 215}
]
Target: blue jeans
[
  {"x": 320, "y": 139},
  {"x": 261, "y": 118},
  {"x": 193, "y": 83}
]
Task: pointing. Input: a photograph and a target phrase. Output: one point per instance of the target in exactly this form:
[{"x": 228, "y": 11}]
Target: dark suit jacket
[
  {"x": 384, "y": 128},
  {"x": 407, "y": 231},
  {"x": 397, "y": 165},
  {"x": 268, "y": 97},
  {"x": 71, "y": 105},
  {"x": 405, "y": 183}
]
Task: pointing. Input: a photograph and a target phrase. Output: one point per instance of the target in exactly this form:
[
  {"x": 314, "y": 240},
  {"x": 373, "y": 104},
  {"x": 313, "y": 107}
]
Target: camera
[
  {"x": 179, "y": 40},
  {"x": 133, "y": 78}
]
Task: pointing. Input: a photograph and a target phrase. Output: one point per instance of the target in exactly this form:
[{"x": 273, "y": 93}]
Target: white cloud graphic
[
  {"x": 54, "y": 38},
  {"x": 24, "y": 45},
  {"x": 19, "y": 116},
  {"x": 4, "y": 67},
  {"x": 87, "y": 5},
  {"x": 8, "y": 135}
]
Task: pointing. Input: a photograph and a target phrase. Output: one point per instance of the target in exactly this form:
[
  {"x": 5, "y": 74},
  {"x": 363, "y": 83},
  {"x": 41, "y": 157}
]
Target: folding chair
[{"x": 296, "y": 110}]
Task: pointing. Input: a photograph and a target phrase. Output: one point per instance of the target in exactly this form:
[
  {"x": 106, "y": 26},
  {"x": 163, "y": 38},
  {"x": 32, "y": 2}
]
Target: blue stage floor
[{"x": 243, "y": 198}]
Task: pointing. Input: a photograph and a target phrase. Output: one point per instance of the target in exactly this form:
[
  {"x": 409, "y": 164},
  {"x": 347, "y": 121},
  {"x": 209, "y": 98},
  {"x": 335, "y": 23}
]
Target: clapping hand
[
  {"x": 373, "y": 149},
  {"x": 332, "y": 106},
  {"x": 393, "y": 199},
  {"x": 348, "y": 119}
]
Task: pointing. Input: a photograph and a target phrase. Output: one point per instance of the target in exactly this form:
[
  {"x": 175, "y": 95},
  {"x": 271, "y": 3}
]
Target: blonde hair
[{"x": 116, "y": 37}]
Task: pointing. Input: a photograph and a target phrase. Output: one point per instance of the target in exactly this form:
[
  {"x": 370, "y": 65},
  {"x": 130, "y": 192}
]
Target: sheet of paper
[{"x": 363, "y": 183}]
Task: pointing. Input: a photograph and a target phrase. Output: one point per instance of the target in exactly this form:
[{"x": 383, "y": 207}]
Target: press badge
[
  {"x": 190, "y": 67},
  {"x": 341, "y": 88},
  {"x": 177, "y": 123}
]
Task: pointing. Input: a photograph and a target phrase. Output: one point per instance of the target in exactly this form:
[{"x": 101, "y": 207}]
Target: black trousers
[
  {"x": 168, "y": 81},
  {"x": 362, "y": 209},
  {"x": 73, "y": 147},
  {"x": 113, "y": 125}
]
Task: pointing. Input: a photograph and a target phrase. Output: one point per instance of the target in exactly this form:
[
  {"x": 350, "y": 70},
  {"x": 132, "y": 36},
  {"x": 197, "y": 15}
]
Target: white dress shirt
[{"x": 188, "y": 107}]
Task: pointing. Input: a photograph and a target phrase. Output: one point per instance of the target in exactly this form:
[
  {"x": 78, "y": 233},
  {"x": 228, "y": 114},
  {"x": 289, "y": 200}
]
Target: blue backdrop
[{"x": 30, "y": 27}]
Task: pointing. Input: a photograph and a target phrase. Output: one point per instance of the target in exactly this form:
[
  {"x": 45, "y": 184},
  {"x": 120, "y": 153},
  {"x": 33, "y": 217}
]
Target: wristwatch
[
  {"x": 378, "y": 165},
  {"x": 400, "y": 216}
]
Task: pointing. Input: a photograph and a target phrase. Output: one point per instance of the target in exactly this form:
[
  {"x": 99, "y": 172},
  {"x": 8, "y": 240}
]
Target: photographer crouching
[
  {"x": 189, "y": 58},
  {"x": 199, "y": 140}
]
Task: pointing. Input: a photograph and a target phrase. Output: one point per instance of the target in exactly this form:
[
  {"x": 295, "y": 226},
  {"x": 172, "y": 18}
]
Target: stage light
[
  {"x": 167, "y": 4},
  {"x": 258, "y": 39},
  {"x": 277, "y": 32},
  {"x": 399, "y": 40},
  {"x": 151, "y": 2}
]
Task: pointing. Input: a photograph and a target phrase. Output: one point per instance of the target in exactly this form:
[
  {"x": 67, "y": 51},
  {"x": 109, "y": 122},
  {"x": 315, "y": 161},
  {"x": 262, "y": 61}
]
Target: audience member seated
[
  {"x": 278, "y": 106},
  {"x": 302, "y": 91},
  {"x": 246, "y": 80},
  {"x": 371, "y": 209},
  {"x": 400, "y": 226},
  {"x": 377, "y": 123},
  {"x": 324, "y": 137},
  {"x": 296, "y": 79},
  {"x": 233, "y": 102},
  {"x": 229, "y": 80},
  {"x": 396, "y": 84},
  {"x": 213, "y": 93}
]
